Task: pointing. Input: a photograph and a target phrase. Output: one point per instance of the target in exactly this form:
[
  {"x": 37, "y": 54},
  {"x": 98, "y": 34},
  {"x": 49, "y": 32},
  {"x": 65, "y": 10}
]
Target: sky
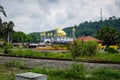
[{"x": 44, "y": 15}]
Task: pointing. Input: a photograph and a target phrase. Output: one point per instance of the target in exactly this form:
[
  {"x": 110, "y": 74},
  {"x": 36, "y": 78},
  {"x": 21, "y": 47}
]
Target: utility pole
[{"x": 101, "y": 14}]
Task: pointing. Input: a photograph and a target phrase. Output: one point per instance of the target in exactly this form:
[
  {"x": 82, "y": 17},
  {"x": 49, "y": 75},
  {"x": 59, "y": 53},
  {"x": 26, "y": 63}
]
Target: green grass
[
  {"x": 8, "y": 73},
  {"x": 74, "y": 72},
  {"x": 102, "y": 56},
  {"x": 33, "y": 53},
  {"x": 108, "y": 56}
]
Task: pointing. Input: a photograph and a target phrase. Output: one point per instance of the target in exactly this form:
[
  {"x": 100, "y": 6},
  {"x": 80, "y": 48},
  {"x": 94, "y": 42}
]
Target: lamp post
[{"x": 73, "y": 33}]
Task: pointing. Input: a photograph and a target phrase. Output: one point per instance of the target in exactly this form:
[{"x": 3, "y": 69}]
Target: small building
[{"x": 89, "y": 38}]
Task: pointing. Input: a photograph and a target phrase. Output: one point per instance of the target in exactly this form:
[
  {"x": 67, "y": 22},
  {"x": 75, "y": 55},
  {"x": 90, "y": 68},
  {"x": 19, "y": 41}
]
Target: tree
[
  {"x": 22, "y": 37},
  {"x": 109, "y": 35},
  {"x": 31, "y": 38},
  {"x": 7, "y": 30},
  {"x": 80, "y": 48},
  {"x": 19, "y": 36},
  {"x": 1, "y": 27},
  {"x": 1, "y": 33}
]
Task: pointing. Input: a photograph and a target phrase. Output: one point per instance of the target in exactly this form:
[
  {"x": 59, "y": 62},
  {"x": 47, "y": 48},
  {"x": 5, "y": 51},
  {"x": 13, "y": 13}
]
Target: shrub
[
  {"x": 90, "y": 48},
  {"x": 59, "y": 46},
  {"x": 76, "y": 48},
  {"x": 111, "y": 50},
  {"x": 6, "y": 47},
  {"x": 80, "y": 48},
  {"x": 76, "y": 71},
  {"x": 107, "y": 74}
]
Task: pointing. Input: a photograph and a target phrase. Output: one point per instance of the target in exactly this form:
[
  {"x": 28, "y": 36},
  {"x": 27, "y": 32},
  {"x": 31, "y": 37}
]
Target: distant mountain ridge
[{"x": 88, "y": 28}]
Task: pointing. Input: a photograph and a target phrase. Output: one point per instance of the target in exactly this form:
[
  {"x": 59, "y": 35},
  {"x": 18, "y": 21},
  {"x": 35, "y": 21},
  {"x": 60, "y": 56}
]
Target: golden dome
[{"x": 60, "y": 32}]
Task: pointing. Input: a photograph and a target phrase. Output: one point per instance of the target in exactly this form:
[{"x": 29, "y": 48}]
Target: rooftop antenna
[{"x": 101, "y": 14}]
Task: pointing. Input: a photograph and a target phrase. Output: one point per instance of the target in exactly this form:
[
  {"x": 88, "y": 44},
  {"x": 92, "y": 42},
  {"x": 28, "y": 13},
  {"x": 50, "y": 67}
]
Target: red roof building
[{"x": 89, "y": 38}]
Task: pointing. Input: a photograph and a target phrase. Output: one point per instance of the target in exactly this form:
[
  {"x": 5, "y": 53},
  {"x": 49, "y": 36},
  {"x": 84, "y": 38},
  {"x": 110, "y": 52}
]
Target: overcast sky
[{"x": 43, "y": 15}]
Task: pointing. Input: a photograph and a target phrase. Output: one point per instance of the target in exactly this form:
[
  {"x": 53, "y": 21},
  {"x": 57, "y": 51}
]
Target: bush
[
  {"x": 111, "y": 50},
  {"x": 75, "y": 48},
  {"x": 90, "y": 48},
  {"x": 80, "y": 48},
  {"x": 107, "y": 74},
  {"x": 59, "y": 46},
  {"x": 76, "y": 71},
  {"x": 6, "y": 47}
]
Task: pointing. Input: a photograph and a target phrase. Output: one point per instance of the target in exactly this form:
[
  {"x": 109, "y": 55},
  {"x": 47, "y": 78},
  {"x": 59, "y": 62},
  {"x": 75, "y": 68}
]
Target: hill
[{"x": 88, "y": 28}]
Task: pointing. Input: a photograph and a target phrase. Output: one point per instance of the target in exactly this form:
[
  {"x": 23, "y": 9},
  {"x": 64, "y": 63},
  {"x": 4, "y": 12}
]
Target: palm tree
[
  {"x": 1, "y": 33},
  {"x": 1, "y": 27},
  {"x": 2, "y": 10},
  {"x": 5, "y": 27},
  {"x": 8, "y": 29},
  {"x": 3, "y": 30}
]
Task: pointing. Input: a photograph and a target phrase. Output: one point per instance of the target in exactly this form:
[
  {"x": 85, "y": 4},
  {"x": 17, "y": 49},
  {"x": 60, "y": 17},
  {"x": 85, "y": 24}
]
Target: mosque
[{"x": 60, "y": 36}]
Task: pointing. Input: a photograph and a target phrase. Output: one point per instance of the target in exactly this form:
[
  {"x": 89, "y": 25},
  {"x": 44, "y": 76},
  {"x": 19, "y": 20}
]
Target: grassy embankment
[
  {"x": 32, "y": 53},
  {"x": 75, "y": 72}
]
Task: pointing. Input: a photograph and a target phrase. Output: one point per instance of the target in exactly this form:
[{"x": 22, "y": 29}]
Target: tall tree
[
  {"x": 1, "y": 28},
  {"x": 8, "y": 29},
  {"x": 1, "y": 24},
  {"x": 109, "y": 35}
]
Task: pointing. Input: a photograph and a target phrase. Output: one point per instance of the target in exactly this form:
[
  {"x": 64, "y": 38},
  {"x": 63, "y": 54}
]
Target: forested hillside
[{"x": 89, "y": 28}]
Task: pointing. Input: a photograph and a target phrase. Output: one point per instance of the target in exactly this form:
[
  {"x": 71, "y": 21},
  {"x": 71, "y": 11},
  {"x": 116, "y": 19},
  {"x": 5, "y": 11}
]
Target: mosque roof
[{"x": 60, "y": 32}]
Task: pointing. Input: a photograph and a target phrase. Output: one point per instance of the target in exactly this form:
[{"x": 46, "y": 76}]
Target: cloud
[
  {"x": 42, "y": 15},
  {"x": 22, "y": 21}
]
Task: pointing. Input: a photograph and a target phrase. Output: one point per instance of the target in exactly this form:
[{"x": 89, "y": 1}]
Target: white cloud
[
  {"x": 39, "y": 15},
  {"x": 24, "y": 23}
]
